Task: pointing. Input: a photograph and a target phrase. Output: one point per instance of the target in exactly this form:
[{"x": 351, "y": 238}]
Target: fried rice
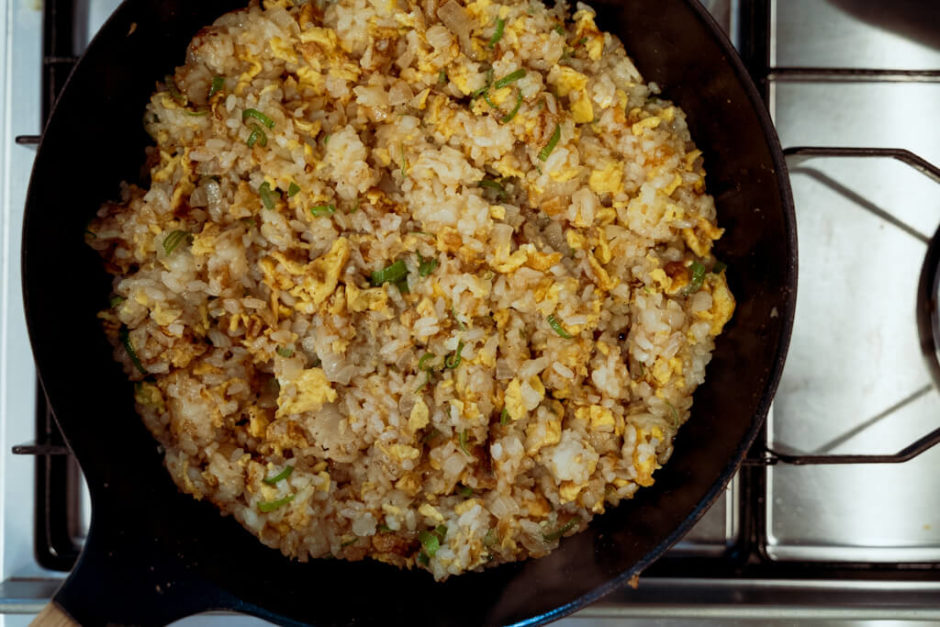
[{"x": 425, "y": 282}]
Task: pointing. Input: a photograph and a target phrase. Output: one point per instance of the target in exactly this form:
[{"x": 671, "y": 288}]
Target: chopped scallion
[
  {"x": 551, "y": 537},
  {"x": 510, "y": 78},
  {"x": 423, "y": 558},
  {"x": 460, "y": 325},
  {"x": 430, "y": 542},
  {"x": 322, "y": 211},
  {"x": 348, "y": 543},
  {"x": 442, "y": 77},
  {"x": 293, "y": 189},
  {"x": 498, "y": 33},
  {"x": 504, "y": 417},
  {"x": 284, "y": 474},
  {"x": 552, "y": 142},
  {"x": 404, "y": 162},
  {"x": 267, "y": 196},
  {"x": 559, "y": 29},
  {"x": 494, "y": 185},
  {"x": 427, "y": 265},
  {"x": 174, "y": 239},
  {"x": 453, "y": 361},
  {"x": 390, "y": 274},
  {"x": 557, "y": 327},
  {"x": 171, "y": 87},
  {"x": 116, "y": 301},
  {"x": 254, "y": 113},
  {"x": 125, "y": 336},
  {"x": 675, "y": 414},
  {"x": 465, "y": 491},
  {"x": 218, "y": 84},
  {"x": 257, "y": 135},
  {"x": 270, "y": 506},
  {"x": 509, "y": 116},
  {"x": 698, "y": 278},
  {"x": 197, "y": 113},
  {"x": 489, "y": 81},
  {"x": 423, "y": 362},
  {"x": 490, "y": 539},
  {"x": 284, "y": 351},
  {"x": 462, "y": 439},
  {"x": 384, "y": 528},
  {"x": 719, "y": 267}
]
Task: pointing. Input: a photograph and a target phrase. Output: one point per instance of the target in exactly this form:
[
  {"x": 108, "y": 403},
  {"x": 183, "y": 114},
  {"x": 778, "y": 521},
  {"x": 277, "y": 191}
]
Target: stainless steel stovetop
[{"x": 837, "y": 543}]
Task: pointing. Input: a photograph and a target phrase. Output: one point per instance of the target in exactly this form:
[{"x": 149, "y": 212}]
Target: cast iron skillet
[{"x": 154, "y": 555}]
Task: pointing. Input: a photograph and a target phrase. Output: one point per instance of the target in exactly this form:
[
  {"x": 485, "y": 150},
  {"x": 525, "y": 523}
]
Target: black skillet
[{"x": 154, "y": 555}]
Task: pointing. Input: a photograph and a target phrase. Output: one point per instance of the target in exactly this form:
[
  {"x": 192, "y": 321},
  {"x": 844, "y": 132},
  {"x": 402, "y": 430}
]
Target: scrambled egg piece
[
  {"x": 542, "y": 434},
  {"x": 566, "y": 80},
  {"x": 308, "y": 391},
  {"x": 646, "y": 463},
  {"x": 607, "y": 180},
  {"x": 149, "y": 395},
  {"x": 582, "y": 110},
  {"x": 419, "y": 417},
  {"x": 321, "y": 275},
  {"x": 722, "y": 303}
]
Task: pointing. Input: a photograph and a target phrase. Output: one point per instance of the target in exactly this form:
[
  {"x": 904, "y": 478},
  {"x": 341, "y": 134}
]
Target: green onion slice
[
  {"x": 284, "y": 351},
  {"x": 698, "y": 277},
  {"x": 509, "y": 116},
  {"x": 427, "y": 265},
  {"x": 404, "y": 162},
  {"x": 557, "y": 327},
  {"x": 270, "y": 506},
  {"x": 510, "y": 78},
  {"x": 322, "y": 211},
  {"x": 487, "y": 100},
  {"x": 267, "y": 196},
  {"x": 498, "y": 33},
  {"x": 675, "y": 414},
  {"x": 293, "y": 189},
  {"x": 489, "y": 81},
  {"x": 218, "y": 84},
  {"x": 453, "y": 361},
  {"x": 490, "y": 539},
  {"x": 125, "y": 336},
  {"x": 430, "y": 542},
  {"x": 462, "y": 439},
  {"x": 174, "y": 239},
  {"x": 559, "y": 29},
  {"x": 254, "y": 113},
  {"x": 175, "y": 93},
  {"x": 719, "y": 267},
  {"x": 390, "y": 274},
  {"x": 198, "y": 113},
  {"x": 383, "y": 528},
  {"x": 284, "y": 474},
  {"x": 460, "y": 325},
  {"x": 552, "y": 142},
  {"x": 257, "y": 135},
  {"x": 504, "y": 417},
  {"x": 442, "y": 77},
  {"x": 422, "y": 363},
  {"x": 116, "y": 301},
  {"x": 551, "y": 537},
  {"x": 465, "y": 491},
  {"x": 494, "y": 185}
]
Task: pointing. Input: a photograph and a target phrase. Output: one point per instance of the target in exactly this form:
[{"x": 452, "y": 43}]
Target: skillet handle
[{"x": 52, "y": 616}]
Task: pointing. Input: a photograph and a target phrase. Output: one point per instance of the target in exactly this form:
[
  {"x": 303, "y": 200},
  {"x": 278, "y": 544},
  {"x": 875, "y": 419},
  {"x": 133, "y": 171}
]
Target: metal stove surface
[{"x": 855, "y": 380}]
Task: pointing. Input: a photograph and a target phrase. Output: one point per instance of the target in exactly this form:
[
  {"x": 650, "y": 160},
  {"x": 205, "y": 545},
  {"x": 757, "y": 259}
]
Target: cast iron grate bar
[
  {"x": 769, "y": 457},
  {"x": 850, "y": 75}
]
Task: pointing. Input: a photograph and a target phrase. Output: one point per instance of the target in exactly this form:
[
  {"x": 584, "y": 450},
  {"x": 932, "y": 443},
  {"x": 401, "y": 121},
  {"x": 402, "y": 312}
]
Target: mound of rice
[{"x": 429, "y": 283}]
